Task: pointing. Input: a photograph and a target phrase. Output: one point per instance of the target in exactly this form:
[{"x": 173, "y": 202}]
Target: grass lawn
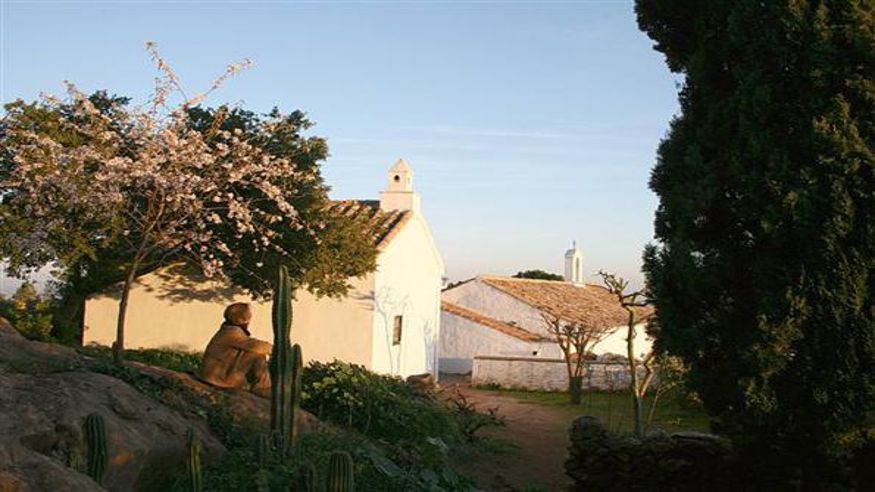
[{"x": 615, "y": 409}]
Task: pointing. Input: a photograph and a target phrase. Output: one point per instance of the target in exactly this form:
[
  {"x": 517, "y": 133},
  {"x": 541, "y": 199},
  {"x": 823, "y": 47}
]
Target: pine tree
[{"x": 764, "y": 273}]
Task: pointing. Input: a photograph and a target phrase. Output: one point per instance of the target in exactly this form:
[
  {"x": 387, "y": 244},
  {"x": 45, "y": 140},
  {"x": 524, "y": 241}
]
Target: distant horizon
[{"x": 527, "y": 125}]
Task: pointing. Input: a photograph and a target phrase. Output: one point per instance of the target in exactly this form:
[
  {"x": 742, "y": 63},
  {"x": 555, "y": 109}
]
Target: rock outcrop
[
  {"x": 47, "y": 390},
  {"x": 243, "y": 406}
]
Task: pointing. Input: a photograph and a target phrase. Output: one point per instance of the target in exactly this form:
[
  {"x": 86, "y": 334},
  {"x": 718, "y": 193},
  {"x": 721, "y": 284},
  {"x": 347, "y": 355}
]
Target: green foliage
[
  {"x": 377, "y": 466},
  {"x": 29, "y": 312},
  {"x": 340, "y": 473},
  {"x": 168, "y": 359},
  {"x": 415, "y": 432},
  {"x": 324, "y": 261},
  {"x": 469, "y": 419},
  {"x": 764, "y": 274},
  {"x": 379, "y": 406},
  {"x": 195, "y": 474},
  {"x": 95, "y": 440},
  {"x": 538, "y": 275}
]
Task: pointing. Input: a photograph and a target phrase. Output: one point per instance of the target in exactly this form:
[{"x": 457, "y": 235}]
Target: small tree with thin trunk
[
  {"x": 633, "y": 303},
  {"x": 575, "y": 340},
  {"x": 153, "y": 185}
]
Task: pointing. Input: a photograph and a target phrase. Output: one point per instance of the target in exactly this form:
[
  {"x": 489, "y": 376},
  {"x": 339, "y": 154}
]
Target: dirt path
[{"x": 539, "y": 433}]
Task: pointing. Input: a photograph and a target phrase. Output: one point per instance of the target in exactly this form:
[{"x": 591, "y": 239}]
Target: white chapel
[{"x": 389, "y": 322}]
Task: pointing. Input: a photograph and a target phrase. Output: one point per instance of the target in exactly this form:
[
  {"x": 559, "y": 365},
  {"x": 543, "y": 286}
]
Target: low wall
[
  {"x": 682, "y": 461},
  {"x": 533, "y": 373}
]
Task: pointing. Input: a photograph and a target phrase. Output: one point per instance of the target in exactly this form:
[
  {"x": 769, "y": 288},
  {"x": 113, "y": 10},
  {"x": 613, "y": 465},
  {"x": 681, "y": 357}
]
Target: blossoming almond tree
[{"x": 152, "y": 184}]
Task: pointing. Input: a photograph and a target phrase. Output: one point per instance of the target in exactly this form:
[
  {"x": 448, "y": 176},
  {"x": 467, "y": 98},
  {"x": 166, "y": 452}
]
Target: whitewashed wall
[
  {"x": 615, "y": 343},
  {"x": 463, "y": 339},
  {"x": 168, "y": 309},
  {"x": 408, "y": 283},
  {"x": 494, "y": 303},
  {"x": 540, "y": 374}
]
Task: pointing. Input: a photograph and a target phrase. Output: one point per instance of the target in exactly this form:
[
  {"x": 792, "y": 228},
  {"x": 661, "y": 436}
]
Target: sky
[{"x": 527, "y": 124}]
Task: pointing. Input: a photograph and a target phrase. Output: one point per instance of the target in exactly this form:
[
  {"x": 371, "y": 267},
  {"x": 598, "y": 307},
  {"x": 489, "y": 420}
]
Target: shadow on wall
[{"x": 182, "y": 283}]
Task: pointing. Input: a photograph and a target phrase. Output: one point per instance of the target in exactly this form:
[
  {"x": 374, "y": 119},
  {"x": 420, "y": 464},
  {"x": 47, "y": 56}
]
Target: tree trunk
[
  {"x": 118, "y": 347},
  {"x": 652, "y": 411},
  {"x": 633, "y": 377},
  {"x": 69, "y": 316},
  {"x": 575, "y": 389}
]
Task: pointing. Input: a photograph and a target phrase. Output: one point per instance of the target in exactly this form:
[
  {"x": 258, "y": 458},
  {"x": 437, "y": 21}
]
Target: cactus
[
  {"x": 305, "y": 480},
  {"x": 262, "y": 451},
  {"x": 98, "y": 455},
  {"x": 286, "y": 368},
  {"x": 281, "y": 363},
  {"x": 340, "y": 473},
  {"x": 195, "y": 474},
  {"x": 295, "y": 400}
]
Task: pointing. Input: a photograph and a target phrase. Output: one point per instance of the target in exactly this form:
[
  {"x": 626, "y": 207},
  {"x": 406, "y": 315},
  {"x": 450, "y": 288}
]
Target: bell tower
[
  {"x": 399, "y": 194},
  {"x": 574, "y": 265}
]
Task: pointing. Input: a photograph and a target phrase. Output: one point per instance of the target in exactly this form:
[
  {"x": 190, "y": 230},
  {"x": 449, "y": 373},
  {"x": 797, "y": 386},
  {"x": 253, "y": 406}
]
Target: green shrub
[
  {"x": 29, "y": 312},
  {"x": 378, "y": 466},
  {"x": 378, "y": 406},
  {"x": 170, "y": 359},
  {"x": 415, "y": 432}
]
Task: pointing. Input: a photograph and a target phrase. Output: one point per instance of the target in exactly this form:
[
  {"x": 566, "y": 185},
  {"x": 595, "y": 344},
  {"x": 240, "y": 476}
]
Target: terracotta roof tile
[
  {"x": 500, "y": 326},
  {"x": 589, "y": 305},
  {"x": 385, "y": 225}
]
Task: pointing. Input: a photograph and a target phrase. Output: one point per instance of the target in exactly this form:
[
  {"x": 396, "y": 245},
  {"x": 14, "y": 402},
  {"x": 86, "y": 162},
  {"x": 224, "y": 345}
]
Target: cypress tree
[{"x": 763, "y": 274}]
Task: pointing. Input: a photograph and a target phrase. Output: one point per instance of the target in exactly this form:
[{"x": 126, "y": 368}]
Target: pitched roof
[
  {"x": 385, "y": 225},
  {"x": 500, "y": 326},
  {"x": 589, "y": 305},
  {"x": 400, "y": 166}
]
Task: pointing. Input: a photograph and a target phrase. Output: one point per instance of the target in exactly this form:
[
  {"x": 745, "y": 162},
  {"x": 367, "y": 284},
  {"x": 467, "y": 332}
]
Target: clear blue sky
[{"x": 527, "y": 125}]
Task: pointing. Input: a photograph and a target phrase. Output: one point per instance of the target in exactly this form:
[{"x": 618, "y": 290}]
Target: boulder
[
  {"x": 244, "y": 406},
  {"x": 46, "y": 391},
  {"x": 6, "y": 329},
  {"x": 421, "y": 383}
]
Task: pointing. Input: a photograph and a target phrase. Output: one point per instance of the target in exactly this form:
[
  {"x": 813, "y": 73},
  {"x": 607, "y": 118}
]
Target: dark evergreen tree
[
  {"x": 764, "y": 273},
  {"x": 538, "y": 275}
]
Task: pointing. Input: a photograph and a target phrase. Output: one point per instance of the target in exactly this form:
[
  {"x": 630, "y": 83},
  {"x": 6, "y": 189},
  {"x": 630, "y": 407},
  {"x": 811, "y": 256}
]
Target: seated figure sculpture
[{"x": 233, "y": 358}]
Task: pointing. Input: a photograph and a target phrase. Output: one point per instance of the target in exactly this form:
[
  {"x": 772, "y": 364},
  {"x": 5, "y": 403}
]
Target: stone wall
[
  {"x": 532, "y": 373},
  {"x": 683, "y": 461}
]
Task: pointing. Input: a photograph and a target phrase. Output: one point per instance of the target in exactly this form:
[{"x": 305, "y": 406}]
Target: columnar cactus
[
  {"x": 281, "y": 363},
  {"x": 95, "y": 439},
  {"x": 305, "y": 481},
  {"x": 340, "y": 473},
  {"x": 195, "y": 474},
  {"x": 297, "y": 372},
  {"x": 262, "y": 451}
]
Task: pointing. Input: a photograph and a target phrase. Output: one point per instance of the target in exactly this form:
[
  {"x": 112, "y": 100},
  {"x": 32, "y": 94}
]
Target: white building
[
  {"x": 389, "y": 322},
  {"x": 504, "y": 317}
]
